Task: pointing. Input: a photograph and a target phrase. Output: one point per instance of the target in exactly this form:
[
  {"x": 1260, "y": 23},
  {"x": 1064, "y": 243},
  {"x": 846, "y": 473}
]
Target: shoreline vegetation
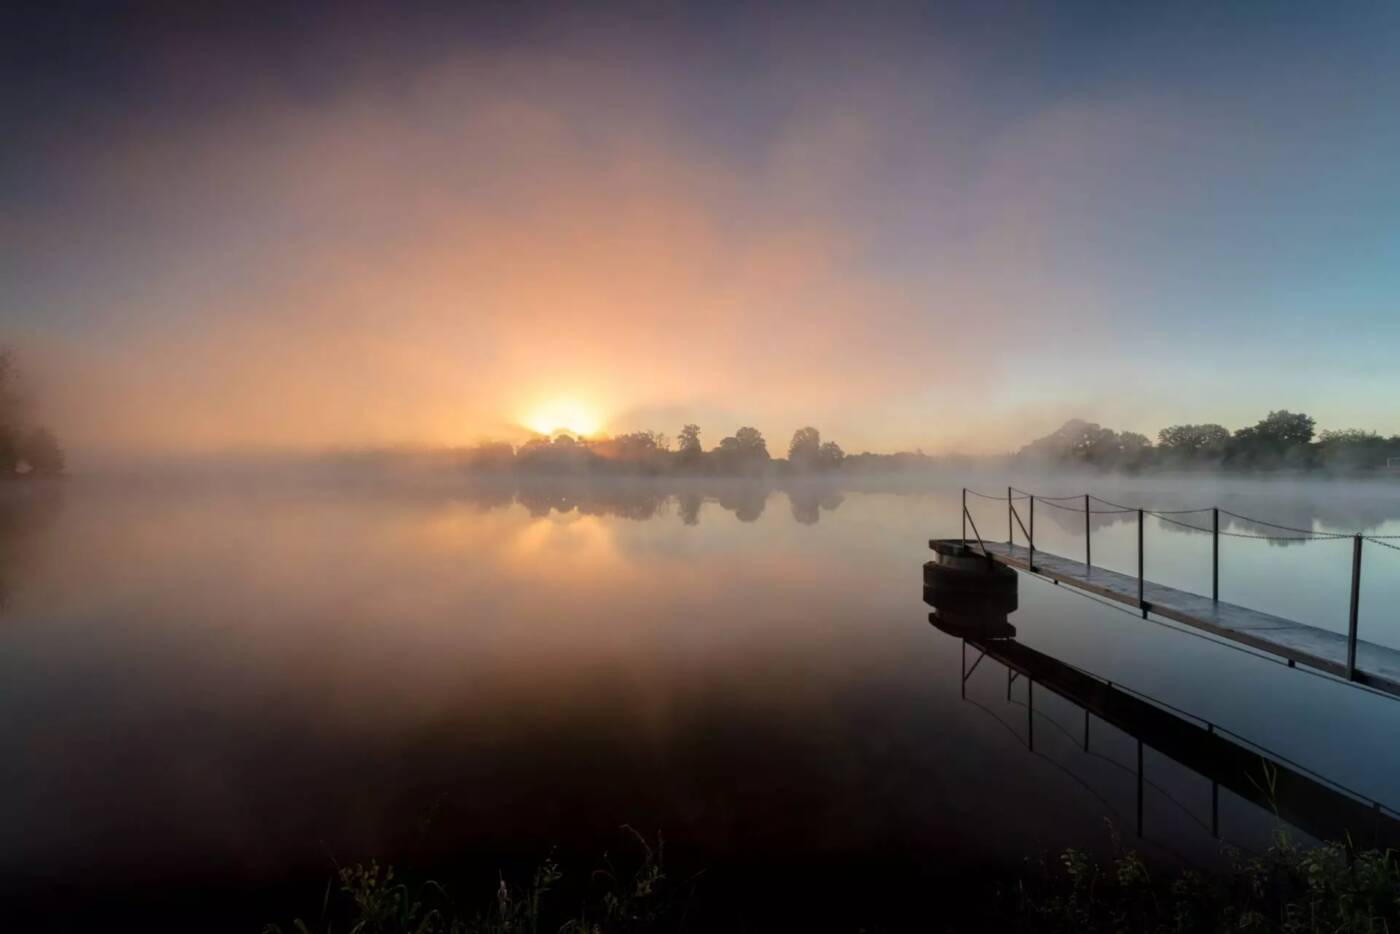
[
  {"x": 26, "y": 447},
  {"x": 1289, "y": 888},
  {"x": 1282, "y": 443}
]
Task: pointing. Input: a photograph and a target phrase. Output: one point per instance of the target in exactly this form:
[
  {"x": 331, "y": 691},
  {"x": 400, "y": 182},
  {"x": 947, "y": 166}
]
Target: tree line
[
  {"x": 1282, "y": 440},
  {"x": 744, "y": 453},
  {"x": 25, "y": 446}
]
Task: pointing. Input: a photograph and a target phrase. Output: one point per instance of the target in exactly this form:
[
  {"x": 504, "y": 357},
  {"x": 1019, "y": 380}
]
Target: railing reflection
[{"x": 1309, "y": 801}]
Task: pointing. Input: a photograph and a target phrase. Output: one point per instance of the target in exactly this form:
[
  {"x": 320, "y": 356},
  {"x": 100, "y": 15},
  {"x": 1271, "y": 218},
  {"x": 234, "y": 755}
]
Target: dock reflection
[{"x": 1310, "y": 802}]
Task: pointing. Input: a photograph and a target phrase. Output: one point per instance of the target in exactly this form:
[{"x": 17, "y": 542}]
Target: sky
[{"x": 936, "y": 226}]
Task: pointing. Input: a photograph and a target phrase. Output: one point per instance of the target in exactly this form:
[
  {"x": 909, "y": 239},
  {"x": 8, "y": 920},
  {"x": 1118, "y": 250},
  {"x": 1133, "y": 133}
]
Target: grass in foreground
[
  {"x": 372, "y": 900},
  {"x": 1290, "y": 888}
]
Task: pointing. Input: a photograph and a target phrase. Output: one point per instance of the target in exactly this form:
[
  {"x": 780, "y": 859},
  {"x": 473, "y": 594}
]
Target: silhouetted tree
[
  {"x": 830, "y": 456},
  {"x": 1075, "y": 442},
  {"x": 751, "y": 443},
  {"x": 805, "y": 448},
  {"x": 1281, "y": 439},
  {"x": 21, "y": 441},
  {"x": 564, "y": 454},
  {"x": 1134, "y": 450},
  {"x": 1352, "y": 449},
  {"x": 1286, "y": 427},
  {"x": 743, "y": 452},
  {"x": 1186, "y": 444},
  {"x": 688, "y": 449},
  {"x": 1082, "y": 443},
  {"x": 636, "y": 452}
]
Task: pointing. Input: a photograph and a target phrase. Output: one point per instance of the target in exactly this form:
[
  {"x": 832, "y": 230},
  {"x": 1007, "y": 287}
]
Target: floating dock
[{"x": 1375, "y": 665}]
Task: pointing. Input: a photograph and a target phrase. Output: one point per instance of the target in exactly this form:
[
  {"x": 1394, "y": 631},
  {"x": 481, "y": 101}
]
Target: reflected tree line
[
  {"x": 1282, "y": 440},
  {"x": 747, "y": 500}
]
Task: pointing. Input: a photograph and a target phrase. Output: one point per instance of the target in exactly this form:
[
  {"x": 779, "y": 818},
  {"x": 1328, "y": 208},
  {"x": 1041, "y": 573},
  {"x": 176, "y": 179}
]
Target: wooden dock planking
[{"x": 1376, "y": 665}]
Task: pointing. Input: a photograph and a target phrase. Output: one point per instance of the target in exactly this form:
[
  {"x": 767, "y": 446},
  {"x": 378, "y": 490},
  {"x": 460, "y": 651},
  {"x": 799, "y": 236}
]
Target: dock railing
[
  {"x": 1013, "y": 520},
  {"x": 967, "y": 519}
]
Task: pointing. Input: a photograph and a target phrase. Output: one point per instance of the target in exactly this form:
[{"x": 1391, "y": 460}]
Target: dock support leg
[{"x": 1355, "y": 606}]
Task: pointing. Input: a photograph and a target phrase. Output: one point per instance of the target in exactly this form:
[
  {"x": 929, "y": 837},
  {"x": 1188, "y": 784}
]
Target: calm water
[{"x": 224, "y": 689}]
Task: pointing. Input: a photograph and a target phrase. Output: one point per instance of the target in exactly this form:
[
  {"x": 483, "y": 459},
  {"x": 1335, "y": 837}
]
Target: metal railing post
[
  {"x": 1139, "y": 787},
  {"x": 1141, "y": 603},
  {"x": 1355, "y": 606},
  {"x": 964, "y": 516},
  {"x": 1030, "y": 538},
  {"x": 963, "y": 689},
  {"x": 1030, "y": 714},
  {"x": 1215, "y": 553},
  {"x": 1010, "y": 536},
  {"x": 1214, "y": 796},
  {"x": 1088, "y": 564}
]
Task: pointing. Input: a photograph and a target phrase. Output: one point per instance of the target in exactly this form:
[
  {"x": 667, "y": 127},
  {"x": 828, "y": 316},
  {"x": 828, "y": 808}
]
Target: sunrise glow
[
  {"x": 455, "y": 454},
  {"x": 567, "y": 415}
]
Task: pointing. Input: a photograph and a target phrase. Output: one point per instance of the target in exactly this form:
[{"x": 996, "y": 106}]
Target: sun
[{"x": 563, "y": 415}]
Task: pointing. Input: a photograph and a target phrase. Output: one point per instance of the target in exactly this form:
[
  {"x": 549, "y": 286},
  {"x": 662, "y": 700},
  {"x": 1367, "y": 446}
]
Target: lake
[{"x": 227, "y": 689}]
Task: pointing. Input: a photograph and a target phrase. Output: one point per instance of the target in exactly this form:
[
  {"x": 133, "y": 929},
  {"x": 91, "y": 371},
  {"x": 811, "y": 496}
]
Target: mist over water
[
  {"x": 231, "y": 683},
  {"x": 445, "y": 434}
]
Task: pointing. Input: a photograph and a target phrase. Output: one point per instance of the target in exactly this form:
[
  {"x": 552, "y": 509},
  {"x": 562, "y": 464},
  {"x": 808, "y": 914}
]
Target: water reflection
[
  {"x": 1315, "y": 506},
  {"x": 809, "y": 501},
  {"x": 26, "y": 510},
  {"x": 205, "y": 683},
  {"x": 639, "y": 500},
  {"x": 1310, "y": 802}
]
